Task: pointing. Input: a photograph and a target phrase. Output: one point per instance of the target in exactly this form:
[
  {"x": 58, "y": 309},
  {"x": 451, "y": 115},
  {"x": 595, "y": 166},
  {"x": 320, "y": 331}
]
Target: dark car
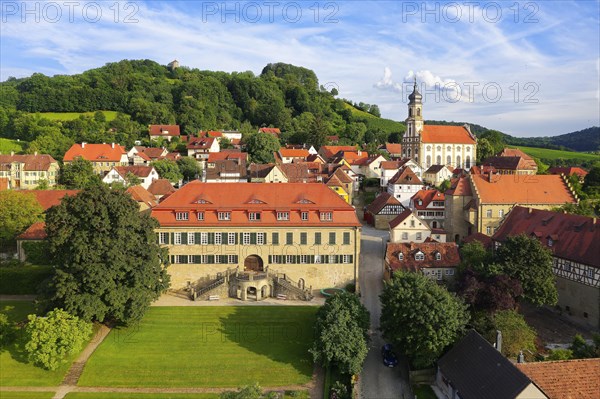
[{"x": 389, "y": 357}]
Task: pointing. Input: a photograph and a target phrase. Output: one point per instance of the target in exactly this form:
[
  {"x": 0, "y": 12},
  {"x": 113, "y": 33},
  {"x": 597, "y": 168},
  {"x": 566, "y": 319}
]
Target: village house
[
  {"x": 201, "y": 147},
  {"x": 166, "y": 132},
  {"x": 394, "y": 150},
  {"x": 390, "y": 168},
  {"x": 479, "y": 203},
  {"x": 145, "y": 199},
  {"x": 232, "y": 170},
  {"x": 437, "y": 174},
  {"x": 119, "y": 174},
  {"x": 328, "y": 151},
  {"x": 382, "y": 210},
  {"x": 408, "y": 227},
  {"x": 370, "y": 167},
  {"x": 565, "y": 379},
  {"x": 569, "y": 171},
  {"x": 404, "y": 184},
  {"x": 573, "y": 241},
  {"x": 474, "y": 369},
  {"x": 289, "y": 155},
  {"x": 430, "y": 206},
  {"x": 267, "y": 173},
  {"x": 510, "y": 165},
  {"x": 161, "y": 188},
  {"x": 427, "y": 145},
  {"x": 273, "y": 131},
  {"x": 28, "y": 171},
  {"x": 102, "y": 156},
  {"x": 302, "y": 230},
  {"x": 436, "y": 260}
]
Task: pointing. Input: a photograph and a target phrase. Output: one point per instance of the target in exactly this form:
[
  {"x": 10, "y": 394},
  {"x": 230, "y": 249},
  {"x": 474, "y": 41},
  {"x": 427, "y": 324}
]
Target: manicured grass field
[
  {"x": 15, "y": 370},
  {"x": 120, "y": 395},
  {"x": 26, "y": 395},
  {"x": 207, "y": 347},
  {"x": 8, "y": 145},
  {"x": 68, "y": 116},
  {"x": 556, "y": 154}
]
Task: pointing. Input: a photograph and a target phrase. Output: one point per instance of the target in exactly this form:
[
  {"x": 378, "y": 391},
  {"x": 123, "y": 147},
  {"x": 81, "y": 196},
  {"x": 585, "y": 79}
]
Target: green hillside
[
  {"x": 549, "y": 154},
  {"x": 69, "y": 116},
  {"x": 374, "y": 122},
  {"x": 7, "y": 145}
]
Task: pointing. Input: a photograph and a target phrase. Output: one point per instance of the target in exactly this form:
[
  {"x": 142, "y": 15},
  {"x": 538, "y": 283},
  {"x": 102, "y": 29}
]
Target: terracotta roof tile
[
  {"x": 293, "y": 152},
  {"x": 95, "y": 152},
  {"x": 393, "y": 148},
  {"x": 381, "y": 201},
  {"x": 446, "y": 134},
  {"x": 327, "y": 151},
  {"x": 226, "y": 154},
  {"x": 448, "y": 251},
  {"x": 239, "y": 198},
  {"x": 400, "y": 218},
  {"x": 566, "y": 379},
  {"x": 514, "y": 152},
  {"x": 486, "y": 241},
  {"x": 522, "y": 189},
  {"x": 271, "y": 130},
  {"x": 31, "y": 161},
  {"x": 140, "y": 194},
  {"x": 576, "y": 236},
  {"x": 460, "y": 187},
  {"x": 161, "y": 187},
  {"x": 36, "y": 231},
  {"x": 200, "y": 143},
  {"x": 569, "y": 171},
  {"x": 405, "y": 176},
  {"x": 49, "y": 198},
  {"x": 164, "y": 130},
  {"x": 138, "y": 170},
  {"x": 427, "y": 196}
]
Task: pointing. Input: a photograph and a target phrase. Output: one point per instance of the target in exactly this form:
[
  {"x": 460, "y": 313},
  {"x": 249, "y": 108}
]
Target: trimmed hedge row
[{"x": 22, "y": 279}]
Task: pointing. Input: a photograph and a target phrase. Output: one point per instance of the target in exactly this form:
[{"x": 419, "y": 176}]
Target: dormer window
[
  {"x": 438, "y": 256},
  {"x": 326, "y": 216},
  {"x": 400, "y": 256},
  {"x": 254, "y": 216},
  {"x": 420, "y": 202},
  {"x": 224, "y": 215},
  {"x": 283, "y": 216},
  {"x": 550, "y": 242},
  {"x": 200, "y": 216},
  {"x": 181, "y": 215},
  {"x": 419, "y": 256}
]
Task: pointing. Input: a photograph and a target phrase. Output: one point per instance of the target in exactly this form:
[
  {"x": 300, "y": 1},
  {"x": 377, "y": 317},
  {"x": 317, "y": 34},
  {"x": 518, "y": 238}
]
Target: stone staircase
[{"x": 291, "y": 290}]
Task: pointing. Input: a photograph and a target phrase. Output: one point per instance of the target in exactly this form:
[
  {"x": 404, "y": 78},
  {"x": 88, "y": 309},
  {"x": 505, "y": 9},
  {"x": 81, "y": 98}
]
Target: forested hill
[
  {"x": 586, "y": 140},
  {"x": 145, "y": 92}
]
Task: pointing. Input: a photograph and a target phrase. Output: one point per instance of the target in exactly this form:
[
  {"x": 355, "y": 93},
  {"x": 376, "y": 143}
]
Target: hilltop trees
[
  {"x": 260, "y": 147},
  {"x": 109, "y": 266},
  {"x": 420, "y": 317}
]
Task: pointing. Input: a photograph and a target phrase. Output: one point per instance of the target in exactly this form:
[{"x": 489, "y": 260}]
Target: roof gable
[
  {"x": 522, "y": 189},
  {"x": 446, "y": 134},
  {"x": 405, "y": 176},
  {"x": 381, "y": 201}
]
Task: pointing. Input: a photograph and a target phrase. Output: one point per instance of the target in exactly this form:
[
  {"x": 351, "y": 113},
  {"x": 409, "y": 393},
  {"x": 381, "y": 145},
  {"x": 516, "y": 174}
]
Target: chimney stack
[
  {"x": 498, "y": 340},
  {"x": 83, "y": 144},
  {"x": 521, "y": 357},
  {"x": 12, "y": 153},
  {"x": 35, "y": 153},
  {"x": 112, "y": 145}
]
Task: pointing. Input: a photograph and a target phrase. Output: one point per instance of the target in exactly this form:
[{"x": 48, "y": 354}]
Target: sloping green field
[
  {"x": 545, "y": 153},
  {"x": 69, "y": 116},
  {"x": 8, "y": 145}
]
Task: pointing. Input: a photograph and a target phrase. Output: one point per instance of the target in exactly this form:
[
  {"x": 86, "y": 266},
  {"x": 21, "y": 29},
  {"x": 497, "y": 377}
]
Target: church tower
[{"x": 414, "y": 122}]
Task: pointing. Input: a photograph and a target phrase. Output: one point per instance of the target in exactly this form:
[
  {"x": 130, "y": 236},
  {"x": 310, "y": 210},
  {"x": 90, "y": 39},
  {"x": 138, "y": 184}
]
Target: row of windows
[
  {"x": 253, "y": 216},
  {"x": 420, "y": 256},
  {"x": 206, "y": 238},
  {"x": 204, "y": 259},
  {"x": 431, "y": 213},
  {"x": 489, "y": 213},
  {"x": 488, "y": 230},
  {"x": 438, "y": 273},
  {"x": 448, "y": 148},
  {"x": 567, "y": 266},
  {"x": 309, "y": 259}
]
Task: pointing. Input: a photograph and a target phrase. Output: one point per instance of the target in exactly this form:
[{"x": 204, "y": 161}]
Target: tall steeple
[{"x": 414, "y": 122}]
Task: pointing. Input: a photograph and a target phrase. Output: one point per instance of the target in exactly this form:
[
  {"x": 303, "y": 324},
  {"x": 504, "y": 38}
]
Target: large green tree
[
  {"x": 517, "y": 335},
  {"x": 341, "y": 333},
  {"x": 525, "y": 259},
  {"x": 18, "y": 211},
  {"x": 52, "y": 338},
  {"x": 261, "y": 147},
  {"x": 168, "y": 169},
  {"x": 190, "y": 168},
  {"x": 420, "y": 317},
  {"x": 78, "y": 174},
  {"x": 109, "y": 264},
  {"x": 591, "y": 183}
]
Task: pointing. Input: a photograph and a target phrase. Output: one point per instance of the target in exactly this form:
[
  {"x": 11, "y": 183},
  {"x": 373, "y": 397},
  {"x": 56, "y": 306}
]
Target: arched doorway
[{"x": 253, "y": 263}]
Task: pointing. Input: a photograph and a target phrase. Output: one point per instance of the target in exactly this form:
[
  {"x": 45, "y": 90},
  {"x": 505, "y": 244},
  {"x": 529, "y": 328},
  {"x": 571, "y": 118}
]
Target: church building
[{"x": 428, "y": 145}]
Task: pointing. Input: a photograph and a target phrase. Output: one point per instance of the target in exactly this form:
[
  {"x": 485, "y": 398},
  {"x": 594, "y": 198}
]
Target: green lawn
[
  {"x": 424, "y": 392},
  {"x": 546, "y": 153},
  {"x": 68, "y": 116},
  {"x": 22, "y": 279},
  {"x": 8, "y": 145},
  {"x": 120, "y": 395},
  {"x": 207, "y": 347},
  {"x": 15, "y": 369},
  {"x": 26, "y": 395}
]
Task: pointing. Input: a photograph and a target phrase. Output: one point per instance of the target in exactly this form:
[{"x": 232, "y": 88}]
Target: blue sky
[{"x": 526, "y": 68}]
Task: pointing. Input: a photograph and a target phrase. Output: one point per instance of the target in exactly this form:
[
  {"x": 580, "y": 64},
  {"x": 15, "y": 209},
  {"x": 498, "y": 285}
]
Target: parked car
[{"x": 389, "y": 357}]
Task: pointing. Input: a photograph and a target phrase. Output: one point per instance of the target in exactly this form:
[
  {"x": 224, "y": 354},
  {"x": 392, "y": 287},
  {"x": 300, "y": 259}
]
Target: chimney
[
  {"x": 35, "y": 153},
  {"x": 521, "y": 357},
  {"x": 530, "y": 210},
  {"x": 498, "y": 344},
  {"x": 112, "y": 145},
  {"x": 12, "y": 153},
  {"x": 83, "y": 144}
]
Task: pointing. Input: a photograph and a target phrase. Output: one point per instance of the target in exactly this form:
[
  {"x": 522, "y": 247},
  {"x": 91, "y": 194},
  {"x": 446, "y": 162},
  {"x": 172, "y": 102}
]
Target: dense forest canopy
[{"x": 145, "y": 92}]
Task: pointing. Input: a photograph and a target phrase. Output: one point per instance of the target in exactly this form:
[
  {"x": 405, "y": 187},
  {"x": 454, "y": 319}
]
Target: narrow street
[{"x": 376, "y": 380}]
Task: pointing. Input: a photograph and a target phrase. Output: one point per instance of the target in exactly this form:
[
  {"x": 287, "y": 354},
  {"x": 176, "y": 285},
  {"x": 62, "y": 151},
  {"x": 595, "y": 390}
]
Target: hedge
[
  {"x": 36, "y": 251},
  {"x": 22, "y": 279}
]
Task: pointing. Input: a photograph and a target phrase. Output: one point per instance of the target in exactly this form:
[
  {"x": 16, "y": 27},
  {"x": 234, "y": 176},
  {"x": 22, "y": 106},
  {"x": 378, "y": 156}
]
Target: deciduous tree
[
  {"x": 79, "y": 174},
  {"x": 51, "y": 339},
  {"x": 168, "y": 169},
  {"x": 190, "y": 168},
  {"x": 18, "y": 211},
  {"x": 261, "y": 147},
  {"x": 420, "y": 317},
  {"x": 110, "y": 266}
]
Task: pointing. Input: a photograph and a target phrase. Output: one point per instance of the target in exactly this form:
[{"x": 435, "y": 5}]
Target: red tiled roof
[
  {"x": 95, "y": 152},
  {"x": 4, "y": 183},
  {"x": 427, "y": 196},
  {"x": 239, "y": 198},
  {"x": 154, "y": 152},
  {"x": 31, "y": 161},
  {"x": 381, "y": 201},
  {"x": 226, "y": 154},
  {"x": 200, "y": 143},
  {"x": 393, "y": 148},
  {"x": 574, "y": 237},
  {"x": 400, "y": 218},
  {"x": 460, "y": 187},
  {"x": 140, "y": 194},
  {"x": 522, "y": 189},
  {"x": 343, "y": 176},
  {"x": 144, "y": 156},
  {"x": 448, "y": 251},
  {"x": 446, "y": 134},
  {"x": 514, "y": 152},
  {"x": 161, "y": 187},
  {"x": 49, "y": 198},
  {"x": 164, "y": 130},
  {"x": 405, "y": 176},
  {"x": 565, "y": 379},
  {"x": 293, "y": 153},
  {"x": 271, "y": 130},
  {"x": 390, "y": 165},
  {"x": 260, "y": 171},
  {"x": 486, "y": 241},
  {"x": 569, "y": 171},
  {"x": 173, "y": 156},
  {"x": 296, "y": 172},
  {"x": 510, "y": 163},
  {"x": 327, "y": 151},
  {"x": 138, "y": 170},
  {"x": 36, "y": 231}
]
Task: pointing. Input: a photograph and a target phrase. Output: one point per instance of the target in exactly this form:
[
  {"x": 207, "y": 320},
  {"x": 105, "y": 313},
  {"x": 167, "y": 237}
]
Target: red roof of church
[{"x": 446, "y": 134}]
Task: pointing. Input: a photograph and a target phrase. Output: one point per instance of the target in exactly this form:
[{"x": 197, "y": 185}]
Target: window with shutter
[
  {"x": 346, "y": 238},
  {"x": 275, "y": 238},
  {"x": 317, "y": 238},
  {"x": 303, "y": 238},
  {"x": 331, "y": 238}
]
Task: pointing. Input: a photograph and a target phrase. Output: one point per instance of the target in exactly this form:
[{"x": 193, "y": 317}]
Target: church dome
[{"x": 415, "y": 96}]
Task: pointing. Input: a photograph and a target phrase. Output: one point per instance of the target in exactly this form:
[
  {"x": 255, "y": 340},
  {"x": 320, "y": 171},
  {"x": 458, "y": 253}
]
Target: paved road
[{"x": 376, "y": 380}]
